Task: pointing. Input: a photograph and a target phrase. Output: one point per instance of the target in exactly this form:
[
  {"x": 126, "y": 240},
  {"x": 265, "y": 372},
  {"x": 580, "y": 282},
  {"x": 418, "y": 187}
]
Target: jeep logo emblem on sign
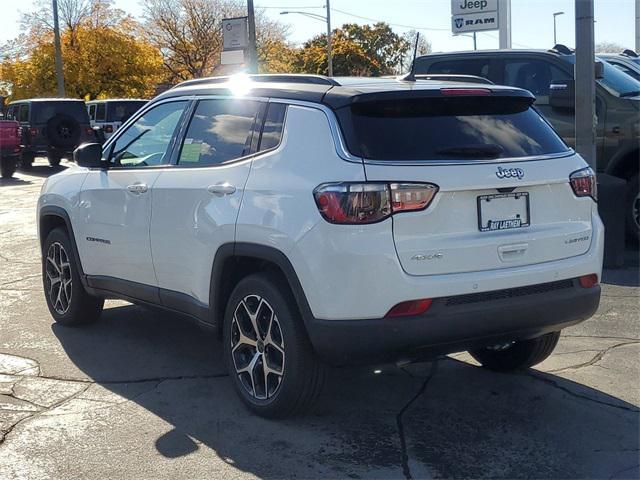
[{"x": 510, "y": 173}]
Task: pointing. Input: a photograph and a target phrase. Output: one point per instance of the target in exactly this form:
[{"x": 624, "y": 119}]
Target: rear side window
[
  {"x": 471, "y": 66},
  {"x": 272, "y": 129},
  {"x": 219, "y": 131},
  {"x": 92, "y": 112},
  {"x": 24, "y": 113},
  {"x": 101, "y": 112},
  {"x": 45, "y": 111},
  {"x": 447, "y": 128}
]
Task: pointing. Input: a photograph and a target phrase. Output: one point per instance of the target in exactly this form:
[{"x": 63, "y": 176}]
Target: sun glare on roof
[{"x": 240, "y": 84}]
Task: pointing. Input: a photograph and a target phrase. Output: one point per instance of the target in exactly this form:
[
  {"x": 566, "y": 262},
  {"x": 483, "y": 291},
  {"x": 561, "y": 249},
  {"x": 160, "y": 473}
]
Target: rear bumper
[{"x": 456, "y": 323}]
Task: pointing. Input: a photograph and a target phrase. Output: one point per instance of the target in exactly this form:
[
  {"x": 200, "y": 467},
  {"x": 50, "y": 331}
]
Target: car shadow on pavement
[
  {"x": 14, "y": 182},
  {"x": 43, "y": 170},
  {"x": 371, "y": 422}
]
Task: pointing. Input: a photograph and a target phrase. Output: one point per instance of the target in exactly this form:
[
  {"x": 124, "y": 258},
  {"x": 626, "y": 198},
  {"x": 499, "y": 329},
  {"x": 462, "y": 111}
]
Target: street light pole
[
  {"x": 58, "y": 48},
  {"x": 253, "y": 51},
  {"x": 329, "y": 54},
  {"x": 585, "y": 78},
  {"x": 327, "y": 20},
  {"x": 555, "y": 39}
]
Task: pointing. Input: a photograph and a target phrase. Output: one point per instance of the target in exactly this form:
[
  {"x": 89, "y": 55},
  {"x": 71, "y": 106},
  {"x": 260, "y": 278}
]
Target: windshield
[
  {"x": 445, "y": 128},
  {"x": 618, "y": 82}
]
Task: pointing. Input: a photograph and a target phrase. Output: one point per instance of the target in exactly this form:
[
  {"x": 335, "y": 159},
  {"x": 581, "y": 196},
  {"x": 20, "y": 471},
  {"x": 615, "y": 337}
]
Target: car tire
[
  {"x": 633, "y": 209},
  {"x": 519, "y": 355},
  {"x": 26, "y": 161},
  {"x": 69, "y": 303},
  {"x": 263, "y": 326},
  {"x": 54, "y": 159},
  {"x": 7, "y": 167}
]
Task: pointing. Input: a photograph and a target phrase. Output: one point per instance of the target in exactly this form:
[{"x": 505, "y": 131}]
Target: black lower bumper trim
[{"x": 456, "y": 324}]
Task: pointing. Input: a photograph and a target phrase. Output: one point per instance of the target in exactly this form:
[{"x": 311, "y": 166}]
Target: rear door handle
[
  {"x": 222, "y": 189},
  {"x": 138, "y": 188}
]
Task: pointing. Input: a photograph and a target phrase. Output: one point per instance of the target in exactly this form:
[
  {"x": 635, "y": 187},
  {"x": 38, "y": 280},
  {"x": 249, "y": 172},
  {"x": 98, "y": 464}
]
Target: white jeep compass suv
[{"x": 312, "y": 220}]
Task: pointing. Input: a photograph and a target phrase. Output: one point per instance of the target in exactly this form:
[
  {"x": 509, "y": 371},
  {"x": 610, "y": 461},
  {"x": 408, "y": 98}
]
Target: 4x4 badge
[{"x": 510, "y": 173}]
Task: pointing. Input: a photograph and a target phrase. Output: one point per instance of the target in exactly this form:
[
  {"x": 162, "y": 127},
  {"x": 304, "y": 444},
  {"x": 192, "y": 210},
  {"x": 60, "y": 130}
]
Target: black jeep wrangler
[{"x": 51, "y": 126}]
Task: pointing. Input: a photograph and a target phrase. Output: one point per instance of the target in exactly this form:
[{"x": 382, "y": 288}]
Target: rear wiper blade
[{"x": 472, "y": 151}]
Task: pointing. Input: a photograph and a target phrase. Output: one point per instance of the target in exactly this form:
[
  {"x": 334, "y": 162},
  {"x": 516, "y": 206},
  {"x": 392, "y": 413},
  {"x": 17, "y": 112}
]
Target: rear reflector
[
  {"x": 465, "y": 91},
  {"x": 588, "y": 281},
  {"x": 410, "y": 308}
]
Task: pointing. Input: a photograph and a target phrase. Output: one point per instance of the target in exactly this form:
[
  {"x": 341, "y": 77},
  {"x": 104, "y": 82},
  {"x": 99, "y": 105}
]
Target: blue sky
[{"x": 532, "y": 21}]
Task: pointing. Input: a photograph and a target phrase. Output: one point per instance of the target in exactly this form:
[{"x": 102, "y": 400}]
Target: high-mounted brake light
[
  {"x": 583, "y": 183},
  {"x": 370, "y": 202},
  {"x": 465, "y": 91}
]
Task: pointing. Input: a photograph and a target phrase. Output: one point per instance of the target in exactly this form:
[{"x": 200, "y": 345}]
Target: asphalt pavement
[{"x": 143, "y": 394}]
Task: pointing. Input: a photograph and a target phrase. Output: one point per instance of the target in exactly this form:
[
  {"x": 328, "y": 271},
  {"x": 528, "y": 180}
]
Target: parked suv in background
[
  {"x": 314, "y": 220},
  {"x": 109, "y": 114},
  {"x": 51, "y": 126},
  {"x": 617, "y": 103}
]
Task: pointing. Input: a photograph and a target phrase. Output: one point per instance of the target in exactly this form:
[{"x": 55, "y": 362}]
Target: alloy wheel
[
  {"x": 257, "y": 347},
  {"x": 58, "y": 278}
]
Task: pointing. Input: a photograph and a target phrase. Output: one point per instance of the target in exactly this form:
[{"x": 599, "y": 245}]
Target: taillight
[
  {"x": 410, "y": 308},
  {"x": 370, "y": 202},
  {"x": 33, "y": 132},
  {"x": 465, "y": 91},
  {"x": 588, "y": 281},
  {"x": 89, "y": 131},
  {"x": 108, "y": 128},
  {"x": 583, "y": 183}
]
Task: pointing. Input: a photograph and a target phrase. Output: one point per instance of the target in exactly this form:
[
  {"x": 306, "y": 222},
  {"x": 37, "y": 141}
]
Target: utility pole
[
  {"x": 504, "y": 18},
  {"x": 329, "y": 54},
  {"x": 637, "y": 26},
  {"x": 252, "y": 62},
  {"x": 585, "y": 78},
  {"x": 58, "y": 47}
]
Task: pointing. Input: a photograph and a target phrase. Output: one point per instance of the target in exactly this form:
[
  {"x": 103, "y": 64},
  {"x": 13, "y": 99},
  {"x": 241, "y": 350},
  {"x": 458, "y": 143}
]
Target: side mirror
[
  {"x": 562, "y": 94},
  {"x": 89, "y": 155}
]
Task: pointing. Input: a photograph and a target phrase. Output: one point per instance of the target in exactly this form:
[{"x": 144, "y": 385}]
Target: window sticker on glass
[{"x": 191, "y": 151}]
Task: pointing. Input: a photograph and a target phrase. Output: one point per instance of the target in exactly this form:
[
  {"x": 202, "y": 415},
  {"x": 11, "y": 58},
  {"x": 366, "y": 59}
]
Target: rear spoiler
[{"x": 342, "y": 97}]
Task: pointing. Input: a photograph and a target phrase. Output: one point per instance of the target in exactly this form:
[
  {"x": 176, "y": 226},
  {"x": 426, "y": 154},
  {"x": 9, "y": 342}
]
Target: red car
[{"x": 9, "y": 147}]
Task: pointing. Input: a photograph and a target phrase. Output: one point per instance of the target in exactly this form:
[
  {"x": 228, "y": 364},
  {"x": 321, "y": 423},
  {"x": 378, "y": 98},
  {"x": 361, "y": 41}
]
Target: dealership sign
[
  {"x": 235, "y": 40},
  {"x": 474, "y": 15}
]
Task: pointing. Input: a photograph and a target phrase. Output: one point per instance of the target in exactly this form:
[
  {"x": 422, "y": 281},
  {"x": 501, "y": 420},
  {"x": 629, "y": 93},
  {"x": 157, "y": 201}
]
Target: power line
[{"x": 389, "y": 23}]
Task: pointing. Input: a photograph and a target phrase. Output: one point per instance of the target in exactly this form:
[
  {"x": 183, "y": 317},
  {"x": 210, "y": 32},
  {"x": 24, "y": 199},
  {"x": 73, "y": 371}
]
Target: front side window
[
  {"x": 146, "y": 142},
  {"x": 533, "y": 75},
  {"x": 219, "y": 132}
]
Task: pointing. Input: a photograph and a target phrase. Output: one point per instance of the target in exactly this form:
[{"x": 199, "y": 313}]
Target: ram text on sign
[{"x": 476, "y": 22}]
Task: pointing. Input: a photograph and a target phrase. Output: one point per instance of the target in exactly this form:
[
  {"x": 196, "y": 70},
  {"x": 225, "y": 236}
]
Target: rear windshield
[
  {"x": 121, "y": 111},
  {"x": 42, "y": 112},
  {"x": 444, "y": 128}
]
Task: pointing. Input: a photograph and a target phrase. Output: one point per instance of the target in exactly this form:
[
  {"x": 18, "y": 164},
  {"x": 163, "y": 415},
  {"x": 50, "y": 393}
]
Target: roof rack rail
[
  {"x": 627, "y": 52},
  {"x": 271, "y": 77},
  {"x": 448, "y": 77},
  {"x": 563, "y": 49}
]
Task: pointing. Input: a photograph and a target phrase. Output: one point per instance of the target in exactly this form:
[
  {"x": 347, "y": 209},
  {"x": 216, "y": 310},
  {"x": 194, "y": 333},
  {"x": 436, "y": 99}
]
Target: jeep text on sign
[
  {"x": 476, "y": 22},
  {"x": 465, "y": 7}
]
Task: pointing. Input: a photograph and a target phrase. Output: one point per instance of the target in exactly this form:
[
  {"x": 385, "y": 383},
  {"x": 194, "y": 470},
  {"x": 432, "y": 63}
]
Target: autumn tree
[
  {"x": 609, "y": 47},
  {"x": 103, "y": 50},
  {"x": 361, "y": 50},
  {"x": 189, "y": 35},
  {"x": 423, "y": 48}
]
